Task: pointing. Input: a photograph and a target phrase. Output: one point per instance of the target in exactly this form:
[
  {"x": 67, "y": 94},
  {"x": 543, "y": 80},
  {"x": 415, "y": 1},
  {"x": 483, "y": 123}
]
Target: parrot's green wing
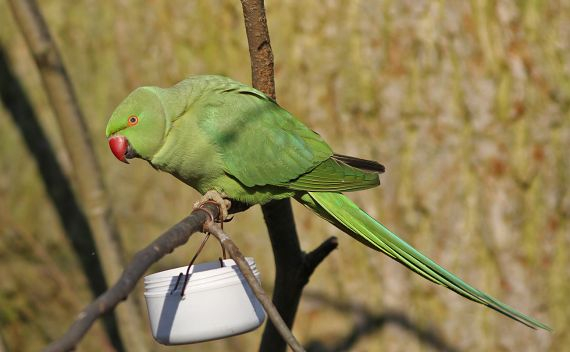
[{"x": 262, "y": 144}]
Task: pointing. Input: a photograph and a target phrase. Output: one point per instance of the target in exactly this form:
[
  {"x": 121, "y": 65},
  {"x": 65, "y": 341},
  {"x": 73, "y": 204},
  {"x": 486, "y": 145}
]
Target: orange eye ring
[{"x": 133, "y": 120}]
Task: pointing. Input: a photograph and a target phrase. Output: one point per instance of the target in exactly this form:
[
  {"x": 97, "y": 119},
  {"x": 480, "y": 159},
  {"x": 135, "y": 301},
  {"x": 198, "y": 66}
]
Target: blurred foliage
[{"x": 467, "y": 103}]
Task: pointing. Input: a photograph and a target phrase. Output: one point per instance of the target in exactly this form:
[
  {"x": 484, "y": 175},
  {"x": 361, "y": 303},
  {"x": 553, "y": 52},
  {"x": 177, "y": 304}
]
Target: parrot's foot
[{"x": 220, "y": 198}]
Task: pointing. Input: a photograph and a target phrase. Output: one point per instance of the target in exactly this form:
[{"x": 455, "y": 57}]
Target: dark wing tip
[{"x": 362, "y": 164}]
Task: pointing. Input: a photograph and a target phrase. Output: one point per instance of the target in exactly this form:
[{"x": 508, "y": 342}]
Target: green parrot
[{"x": 214, "y": 133}]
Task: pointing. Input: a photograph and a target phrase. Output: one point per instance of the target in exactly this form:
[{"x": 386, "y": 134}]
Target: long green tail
[{"x": 347, "y": 216}]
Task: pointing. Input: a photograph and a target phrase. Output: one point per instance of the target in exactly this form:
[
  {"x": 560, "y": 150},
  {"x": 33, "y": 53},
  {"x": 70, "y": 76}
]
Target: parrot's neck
[{"x": 177, "y": 99}]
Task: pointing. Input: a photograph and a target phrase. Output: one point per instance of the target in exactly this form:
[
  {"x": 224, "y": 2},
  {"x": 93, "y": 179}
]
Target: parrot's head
[{"x": 138, "y": 126}]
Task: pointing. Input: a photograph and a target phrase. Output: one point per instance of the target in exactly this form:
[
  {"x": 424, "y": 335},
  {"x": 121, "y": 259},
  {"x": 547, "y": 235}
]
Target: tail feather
[{"x": 343, "y": 213}]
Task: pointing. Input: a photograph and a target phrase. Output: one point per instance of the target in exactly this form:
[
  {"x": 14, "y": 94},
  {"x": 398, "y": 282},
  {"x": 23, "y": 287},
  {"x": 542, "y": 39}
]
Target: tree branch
[
  {"x": 292, "y": 267},
  {"x": 260, "y": 52},
  {"x": 312, "y": 259},
  {"x": 174, "y": 237}
]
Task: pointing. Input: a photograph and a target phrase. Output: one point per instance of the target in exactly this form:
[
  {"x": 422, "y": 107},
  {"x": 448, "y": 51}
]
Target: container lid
[
  {"x": 176, "y": 282},
  {"x": 198, "y": 271}
]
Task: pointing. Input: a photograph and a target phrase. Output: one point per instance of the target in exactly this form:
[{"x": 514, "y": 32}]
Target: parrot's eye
[{"x": 133, "y": 120}]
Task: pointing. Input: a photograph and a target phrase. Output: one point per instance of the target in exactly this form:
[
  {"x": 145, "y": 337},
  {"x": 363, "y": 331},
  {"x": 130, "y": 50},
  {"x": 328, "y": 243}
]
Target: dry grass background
[{"x": 467, "y": 103}]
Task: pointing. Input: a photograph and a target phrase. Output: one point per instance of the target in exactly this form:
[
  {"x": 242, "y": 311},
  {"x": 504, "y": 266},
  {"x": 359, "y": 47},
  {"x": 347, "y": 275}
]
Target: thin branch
[
  {"x": 86, "y": 172},
  {"x": 260, "y": 52},
  {"x": 176, "y": 236},
  {"x": 312, "y": 259},
  {"x": 270, "y": 309}
]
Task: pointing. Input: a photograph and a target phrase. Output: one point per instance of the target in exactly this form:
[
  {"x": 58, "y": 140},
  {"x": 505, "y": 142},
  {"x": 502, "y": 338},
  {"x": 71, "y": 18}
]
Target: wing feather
[
  {"x": 260, "y": 143},
  {"x": 332, "y": 175},
  {"x": 263, "y": 144}
]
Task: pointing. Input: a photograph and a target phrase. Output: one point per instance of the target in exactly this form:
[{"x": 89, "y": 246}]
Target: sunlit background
[{"x": 466, "y": 103}]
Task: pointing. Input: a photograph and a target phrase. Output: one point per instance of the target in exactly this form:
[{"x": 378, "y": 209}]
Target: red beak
[{"x": 119, "y": 145}]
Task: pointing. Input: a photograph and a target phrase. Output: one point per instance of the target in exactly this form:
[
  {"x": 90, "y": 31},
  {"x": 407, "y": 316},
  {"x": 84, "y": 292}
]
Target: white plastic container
[{"x": 217, "y": 303}]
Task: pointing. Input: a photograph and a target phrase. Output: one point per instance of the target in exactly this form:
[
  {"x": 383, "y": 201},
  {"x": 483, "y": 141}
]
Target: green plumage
[{"x": 217, "y": 134}]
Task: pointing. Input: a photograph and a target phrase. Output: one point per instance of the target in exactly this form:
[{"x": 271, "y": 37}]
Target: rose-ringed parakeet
[{"x": 214, "y": 133}]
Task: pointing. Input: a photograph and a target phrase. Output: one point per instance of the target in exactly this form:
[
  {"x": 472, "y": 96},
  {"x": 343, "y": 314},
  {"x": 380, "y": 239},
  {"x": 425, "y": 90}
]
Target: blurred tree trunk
[
  {"x": 60, "y": 192},
  {"x": 86, "y": 175},
  {"x": 3, "y": 347}
]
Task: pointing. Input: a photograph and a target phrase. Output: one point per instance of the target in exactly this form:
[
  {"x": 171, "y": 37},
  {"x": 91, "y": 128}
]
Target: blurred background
[{"x": 466, "y": 103}]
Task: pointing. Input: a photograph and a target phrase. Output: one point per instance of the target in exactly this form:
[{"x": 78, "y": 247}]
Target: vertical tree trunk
[{"x": 292, "y": 266}]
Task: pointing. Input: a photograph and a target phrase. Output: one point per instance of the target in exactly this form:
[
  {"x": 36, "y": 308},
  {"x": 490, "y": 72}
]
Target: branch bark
[
  {"x": 260, "y": 52},
  {"x": 174, "y": 237},
  {"x": 292, "y": 266},
  {"x": 87, "y": 177}
]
